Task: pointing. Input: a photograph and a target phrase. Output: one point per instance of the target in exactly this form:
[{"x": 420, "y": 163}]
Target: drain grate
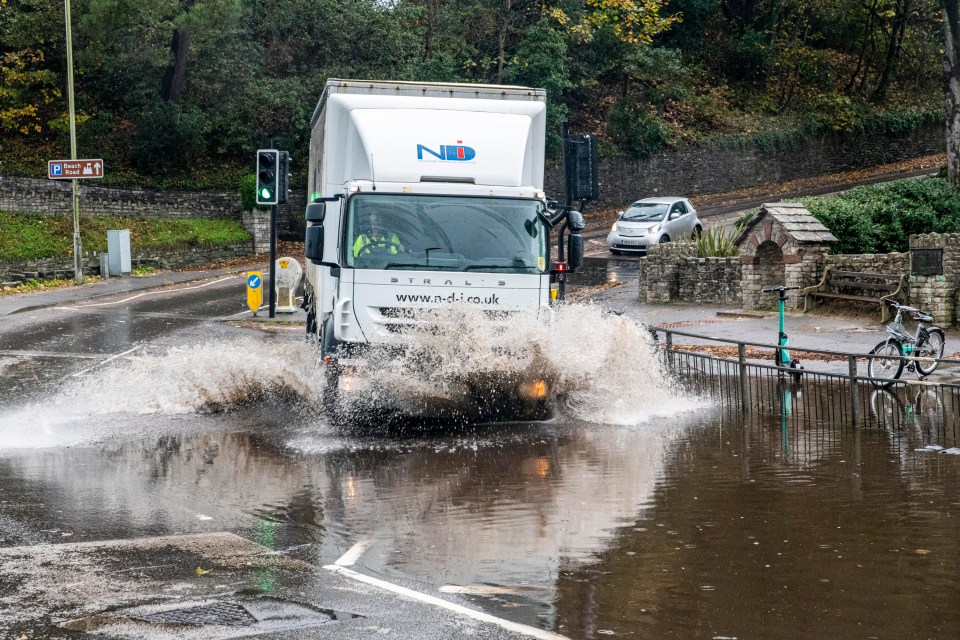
[{"x": 228, "y": 614}]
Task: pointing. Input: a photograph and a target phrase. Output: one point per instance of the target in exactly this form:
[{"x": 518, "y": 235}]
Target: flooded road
[{"x": 684, "y": 521}]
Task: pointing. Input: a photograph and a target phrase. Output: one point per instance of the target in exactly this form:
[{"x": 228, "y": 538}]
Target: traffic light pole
[{"x": 273, "y": 260}]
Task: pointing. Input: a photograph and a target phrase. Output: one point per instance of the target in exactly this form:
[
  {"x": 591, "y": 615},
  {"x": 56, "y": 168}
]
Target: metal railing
[{"x": 832, "y": 387}]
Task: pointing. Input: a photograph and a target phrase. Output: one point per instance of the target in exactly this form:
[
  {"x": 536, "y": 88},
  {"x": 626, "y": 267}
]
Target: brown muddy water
[{"x": 639, "y": 511}]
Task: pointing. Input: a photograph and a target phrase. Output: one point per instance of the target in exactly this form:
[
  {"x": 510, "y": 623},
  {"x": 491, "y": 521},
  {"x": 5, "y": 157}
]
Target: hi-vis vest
[{"x": 371, "y": 244}]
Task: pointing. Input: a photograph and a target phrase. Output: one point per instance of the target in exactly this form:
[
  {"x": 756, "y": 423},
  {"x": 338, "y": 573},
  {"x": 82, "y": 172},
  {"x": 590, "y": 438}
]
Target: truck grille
[{"x": 409, "y": 320}]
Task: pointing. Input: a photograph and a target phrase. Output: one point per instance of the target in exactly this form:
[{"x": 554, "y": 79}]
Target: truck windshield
[{"x": 445, "y": 233}]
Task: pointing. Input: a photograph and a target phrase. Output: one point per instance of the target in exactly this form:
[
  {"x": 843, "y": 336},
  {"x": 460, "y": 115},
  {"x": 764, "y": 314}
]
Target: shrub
[
  {"x": 247, "y": 189},
  {"x": 716, "y": 243},
  {"x": 636, "y": 129},
  {"x": 882, "y": 217}
]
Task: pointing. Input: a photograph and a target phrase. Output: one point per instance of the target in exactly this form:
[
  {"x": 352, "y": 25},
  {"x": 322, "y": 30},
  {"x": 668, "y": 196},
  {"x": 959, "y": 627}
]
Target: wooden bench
[{"x": 885, "y": 286}]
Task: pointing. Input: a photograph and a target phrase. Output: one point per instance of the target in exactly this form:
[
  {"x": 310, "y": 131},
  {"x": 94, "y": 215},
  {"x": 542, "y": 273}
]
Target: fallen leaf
[
  {"x": 200, "y": 571},
  {"x": 921, "y": 552}
]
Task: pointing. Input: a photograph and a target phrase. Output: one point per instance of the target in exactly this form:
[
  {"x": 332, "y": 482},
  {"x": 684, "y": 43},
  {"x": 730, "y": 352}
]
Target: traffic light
[
  {"x": 268, "y": 176},
  {"x": 283, "y": 180}
]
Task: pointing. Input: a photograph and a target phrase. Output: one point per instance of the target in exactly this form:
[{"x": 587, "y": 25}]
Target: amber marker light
[{"x": 535, "y": 390}]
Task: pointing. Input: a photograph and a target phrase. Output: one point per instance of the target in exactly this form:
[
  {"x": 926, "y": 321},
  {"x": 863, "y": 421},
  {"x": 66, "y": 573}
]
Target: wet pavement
[{"x": 161, "y": 455}]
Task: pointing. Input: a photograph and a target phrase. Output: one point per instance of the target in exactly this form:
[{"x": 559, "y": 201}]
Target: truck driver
[{"x": 376, "y": 239}]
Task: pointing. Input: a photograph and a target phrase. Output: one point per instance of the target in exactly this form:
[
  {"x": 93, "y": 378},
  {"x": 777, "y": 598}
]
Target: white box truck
[{"x": 425, "y": 196}]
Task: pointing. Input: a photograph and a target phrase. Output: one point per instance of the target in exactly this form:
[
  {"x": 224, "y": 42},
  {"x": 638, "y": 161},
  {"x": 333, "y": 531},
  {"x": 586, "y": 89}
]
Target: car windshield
[
  {"x": 445, "y": 233},
  {"x": 645, "y": 212}
]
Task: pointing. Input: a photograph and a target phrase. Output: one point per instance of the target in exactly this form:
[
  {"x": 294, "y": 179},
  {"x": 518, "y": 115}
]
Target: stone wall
[
  {"x": 710, "y": 281},
  {"x": 11, "y": 273},
  {"x": 692, "y": 171},
  {"x": 672, "y": 273},
  {"x": 869, "y": 262},
  {"x": 54, "y": 197}
]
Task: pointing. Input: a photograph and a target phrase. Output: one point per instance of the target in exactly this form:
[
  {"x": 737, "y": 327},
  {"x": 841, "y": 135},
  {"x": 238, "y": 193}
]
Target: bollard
[{"x": 852, "y": 365}]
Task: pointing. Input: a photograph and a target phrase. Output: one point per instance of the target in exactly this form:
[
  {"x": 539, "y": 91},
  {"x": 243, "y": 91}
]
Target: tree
[{"x": 951, "y": 81}]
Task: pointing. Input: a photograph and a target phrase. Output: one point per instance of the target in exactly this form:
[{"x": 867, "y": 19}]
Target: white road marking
[
  {"x": 516, "y": 627},
  {"x": 350, "y": 557},
  {"x": 486, "y": 590},
  {"x": 100, "y": 364},
  {"x": 242, "y": 313},
  {"x": 140, "y": 295}
]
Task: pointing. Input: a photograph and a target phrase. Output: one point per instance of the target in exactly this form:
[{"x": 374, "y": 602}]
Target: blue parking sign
[{"x": 56, "y": 169}]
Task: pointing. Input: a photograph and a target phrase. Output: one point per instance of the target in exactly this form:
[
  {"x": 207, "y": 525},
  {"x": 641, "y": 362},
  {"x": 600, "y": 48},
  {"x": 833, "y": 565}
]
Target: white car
[{"x": 653, "y": 221}]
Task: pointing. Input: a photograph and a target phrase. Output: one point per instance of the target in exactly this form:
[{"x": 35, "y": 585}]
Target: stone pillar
[
  {"x": 258, "y": 224},
  {"x": 642, "y": 286},
  {"x": 936, "y": 292}
]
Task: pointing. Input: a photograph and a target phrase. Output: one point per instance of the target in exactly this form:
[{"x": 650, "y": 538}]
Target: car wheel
[
  {"x": 697, "y": 232},
  {"x": 664, "y": 239}
]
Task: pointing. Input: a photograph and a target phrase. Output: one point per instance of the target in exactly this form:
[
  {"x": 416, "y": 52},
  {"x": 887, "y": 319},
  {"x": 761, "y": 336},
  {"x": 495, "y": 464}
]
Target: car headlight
[
  {"x": 654, "y": 228},
  {"x": 614, "y": 227}
]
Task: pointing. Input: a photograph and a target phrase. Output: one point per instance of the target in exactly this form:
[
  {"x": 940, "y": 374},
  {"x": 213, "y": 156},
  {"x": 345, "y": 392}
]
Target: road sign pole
[
  {"x": 273, "y": 260},
  {"x": 77, "y": 245}
]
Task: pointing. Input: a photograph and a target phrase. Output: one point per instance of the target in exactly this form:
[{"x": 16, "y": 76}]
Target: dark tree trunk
[
  {"x": 897, "y": 31},
  {"x": 867, "y": 40},
  {"x": 176, "y": 74},
  {"x": 951, "y": 77},
  {"x": 433, "y": 8}
]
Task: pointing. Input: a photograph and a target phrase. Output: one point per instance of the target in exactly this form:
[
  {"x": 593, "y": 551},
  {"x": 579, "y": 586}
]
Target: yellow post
[{"x": 254, "y": 290}]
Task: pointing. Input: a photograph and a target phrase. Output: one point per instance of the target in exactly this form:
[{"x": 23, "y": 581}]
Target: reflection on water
[{"x": 720, "y": 526}]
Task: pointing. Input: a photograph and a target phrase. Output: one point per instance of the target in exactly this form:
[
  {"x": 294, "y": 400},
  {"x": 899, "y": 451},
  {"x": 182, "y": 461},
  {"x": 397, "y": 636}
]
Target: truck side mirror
[
  {"x": 575, "y": 242},
  {"x": 313, "y": 243},
  {"x": 316, "y": 212}
]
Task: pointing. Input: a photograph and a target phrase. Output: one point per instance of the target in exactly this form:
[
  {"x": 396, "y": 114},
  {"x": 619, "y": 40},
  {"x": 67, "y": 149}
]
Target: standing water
[{"x": 638, "y": 511}]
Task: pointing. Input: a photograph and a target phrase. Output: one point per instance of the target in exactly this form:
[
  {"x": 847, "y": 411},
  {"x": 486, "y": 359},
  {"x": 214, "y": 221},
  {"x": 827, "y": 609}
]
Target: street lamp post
[{"x": 77, "y": 244}]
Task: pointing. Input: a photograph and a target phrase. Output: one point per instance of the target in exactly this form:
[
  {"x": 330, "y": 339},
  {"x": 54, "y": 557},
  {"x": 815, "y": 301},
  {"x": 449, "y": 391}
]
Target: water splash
[
  {"x": 210, "y": 377},
  {"x": 600, "y": 367}
]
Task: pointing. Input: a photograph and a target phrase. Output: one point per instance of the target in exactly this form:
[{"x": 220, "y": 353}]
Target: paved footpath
[{"x": 814, "y": 330}]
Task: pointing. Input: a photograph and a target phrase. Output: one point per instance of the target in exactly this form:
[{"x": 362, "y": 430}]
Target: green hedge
[{"x": 880, "y": 218}]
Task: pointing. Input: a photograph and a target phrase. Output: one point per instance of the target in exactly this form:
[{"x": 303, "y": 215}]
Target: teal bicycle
[
  {"x": 923, "y": 349},
  {"x": 782, "y": 355}
]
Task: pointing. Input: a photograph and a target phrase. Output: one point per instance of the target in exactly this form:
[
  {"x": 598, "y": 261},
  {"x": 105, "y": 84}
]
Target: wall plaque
[{"x": 926, "y": 262}]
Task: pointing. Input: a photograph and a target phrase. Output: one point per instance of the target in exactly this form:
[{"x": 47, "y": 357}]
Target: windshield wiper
[
  {"x": 514, "y": 267},
  {"x": 415, "y": 265}
]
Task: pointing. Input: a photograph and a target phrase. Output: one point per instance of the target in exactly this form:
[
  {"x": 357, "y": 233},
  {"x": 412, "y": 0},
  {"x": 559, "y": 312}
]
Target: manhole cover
[{"x": 227, "y": 614}]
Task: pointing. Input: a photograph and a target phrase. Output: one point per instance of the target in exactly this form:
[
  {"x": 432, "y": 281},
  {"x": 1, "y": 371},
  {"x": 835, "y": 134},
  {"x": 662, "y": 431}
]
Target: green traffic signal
[{"x": 267, "y": 176}]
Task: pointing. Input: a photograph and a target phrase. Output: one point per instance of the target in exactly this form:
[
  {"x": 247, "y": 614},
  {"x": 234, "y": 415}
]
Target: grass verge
[
  {"x": 29, "y": 237},
  {"x": 43, "y": 285}
]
